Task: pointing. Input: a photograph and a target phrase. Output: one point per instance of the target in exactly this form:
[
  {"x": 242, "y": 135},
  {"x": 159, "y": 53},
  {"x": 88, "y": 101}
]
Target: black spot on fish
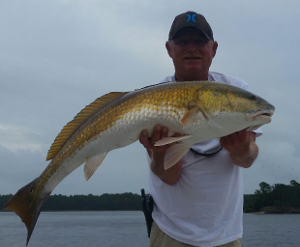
[{"x": 252, "y": 97}]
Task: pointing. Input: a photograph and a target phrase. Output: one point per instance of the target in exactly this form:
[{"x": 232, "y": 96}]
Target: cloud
[
  {"x": 16, "y": 138},
  {"x": 58, "y": 56}
]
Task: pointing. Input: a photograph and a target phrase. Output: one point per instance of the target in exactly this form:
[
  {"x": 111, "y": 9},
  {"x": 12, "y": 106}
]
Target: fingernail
[
  {"x": 164, "y": 129},
  {"x": 158, "y": 128}
]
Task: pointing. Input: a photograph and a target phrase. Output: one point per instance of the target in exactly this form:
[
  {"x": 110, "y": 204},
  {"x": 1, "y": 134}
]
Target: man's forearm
[
  {"x": 169, "y": 176},
  {"x": 247, "y": 159},
  {"x": 241, "y": 147},
  {"x": 157, "y": 155}
]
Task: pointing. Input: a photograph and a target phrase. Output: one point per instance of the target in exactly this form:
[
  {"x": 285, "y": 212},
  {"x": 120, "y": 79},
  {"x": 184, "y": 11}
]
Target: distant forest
[
  {"x": 109, "y": 202},
  {"x": 278, "y": 198}
]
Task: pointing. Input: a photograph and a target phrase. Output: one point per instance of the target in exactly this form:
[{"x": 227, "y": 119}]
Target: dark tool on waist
[{"x": 147, "y": 205}]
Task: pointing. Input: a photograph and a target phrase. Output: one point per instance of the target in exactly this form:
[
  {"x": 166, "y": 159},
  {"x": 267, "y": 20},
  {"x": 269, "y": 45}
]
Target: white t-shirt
[{"x": 205, "y": 207}]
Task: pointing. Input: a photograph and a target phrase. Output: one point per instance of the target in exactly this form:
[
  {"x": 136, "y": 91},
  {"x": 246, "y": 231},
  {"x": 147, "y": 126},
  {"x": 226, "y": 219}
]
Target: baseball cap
[{"x": 191, "y": 19}]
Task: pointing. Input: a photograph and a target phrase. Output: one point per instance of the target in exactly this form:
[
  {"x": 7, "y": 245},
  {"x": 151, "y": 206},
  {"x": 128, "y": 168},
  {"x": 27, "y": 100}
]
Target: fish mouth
[{"x": 263, "y": 115}]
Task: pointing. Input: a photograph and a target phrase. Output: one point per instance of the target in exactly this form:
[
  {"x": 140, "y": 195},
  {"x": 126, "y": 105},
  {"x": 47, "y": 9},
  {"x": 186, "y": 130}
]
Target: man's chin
[
  {"x": 193, "y": 63},
  {"x": 193, "y": 68}
]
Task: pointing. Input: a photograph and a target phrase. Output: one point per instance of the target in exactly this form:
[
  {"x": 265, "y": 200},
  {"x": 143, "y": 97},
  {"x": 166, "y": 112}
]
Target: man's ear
[
  {"x": 215, "y": 47},
  {"x": 168, "y": 47}
]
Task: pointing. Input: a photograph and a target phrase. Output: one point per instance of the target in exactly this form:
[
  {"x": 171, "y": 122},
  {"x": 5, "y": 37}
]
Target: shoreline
[{"x": 276, "y": 210}]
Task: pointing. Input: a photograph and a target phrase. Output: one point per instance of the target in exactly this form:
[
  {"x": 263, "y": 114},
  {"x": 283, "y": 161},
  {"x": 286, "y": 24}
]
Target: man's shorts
[{"x": 159, "y": 239}]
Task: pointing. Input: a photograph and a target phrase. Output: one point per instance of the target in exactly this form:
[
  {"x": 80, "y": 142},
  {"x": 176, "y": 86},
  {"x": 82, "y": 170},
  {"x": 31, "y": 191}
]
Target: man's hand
[
  {"x": 157, "y": 155},
  {"x": 241, "y": 147}
]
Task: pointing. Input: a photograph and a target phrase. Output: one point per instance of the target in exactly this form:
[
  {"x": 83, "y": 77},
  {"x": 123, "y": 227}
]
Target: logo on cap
[{"x": 191, "y": 18}]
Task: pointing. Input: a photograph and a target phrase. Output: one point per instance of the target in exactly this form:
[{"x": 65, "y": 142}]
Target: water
[
  {"x": 271, "y": 230},
  {"x": 128, "y": 229},
  {"x": 76, "y": 229}
]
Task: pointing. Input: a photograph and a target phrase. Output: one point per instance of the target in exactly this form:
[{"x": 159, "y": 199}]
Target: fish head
[{"x": 234, "y": 104}]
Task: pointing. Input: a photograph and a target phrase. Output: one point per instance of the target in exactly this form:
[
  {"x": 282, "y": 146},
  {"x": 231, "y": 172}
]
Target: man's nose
[{"x": 191, "y": 46}]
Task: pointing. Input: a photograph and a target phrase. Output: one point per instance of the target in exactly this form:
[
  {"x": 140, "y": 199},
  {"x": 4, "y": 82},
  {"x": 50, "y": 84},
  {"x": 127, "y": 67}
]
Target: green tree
[
  {"x": 280, "y": 196},
  {"x": 124, "y": 201},
  {"x": 263, "y": 196},
  {"x": 295, "y": 184}
]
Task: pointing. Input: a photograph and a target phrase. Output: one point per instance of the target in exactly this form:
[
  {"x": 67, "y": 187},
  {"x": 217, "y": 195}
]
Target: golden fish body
[{"x": 198, "y": 110}]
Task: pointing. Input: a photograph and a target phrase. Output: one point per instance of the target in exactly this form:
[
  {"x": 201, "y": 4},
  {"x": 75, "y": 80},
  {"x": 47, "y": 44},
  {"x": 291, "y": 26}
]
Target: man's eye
[
  {"x": 200, "y": 42},
  {"x": 181, "y": 42}
]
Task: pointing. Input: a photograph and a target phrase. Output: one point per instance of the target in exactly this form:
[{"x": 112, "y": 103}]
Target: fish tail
[{"x": 27, "y": 204}]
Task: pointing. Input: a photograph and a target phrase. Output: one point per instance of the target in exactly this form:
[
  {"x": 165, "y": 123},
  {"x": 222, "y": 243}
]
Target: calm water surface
[
  {"x": 127, "y": 229},
  {"x": 271, "y": 230}
]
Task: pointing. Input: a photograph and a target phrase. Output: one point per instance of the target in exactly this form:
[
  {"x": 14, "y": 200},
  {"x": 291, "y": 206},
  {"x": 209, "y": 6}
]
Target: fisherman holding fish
[
  {"x": 205, "y": 135},
  {"x": 199, "y": 200}
]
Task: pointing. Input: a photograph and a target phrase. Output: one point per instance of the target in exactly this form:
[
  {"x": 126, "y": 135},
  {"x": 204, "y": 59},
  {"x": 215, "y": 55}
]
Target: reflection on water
[{"x": 128, "y": 229}]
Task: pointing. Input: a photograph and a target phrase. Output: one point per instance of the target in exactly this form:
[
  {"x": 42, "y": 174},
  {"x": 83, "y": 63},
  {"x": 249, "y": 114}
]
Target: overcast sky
[{"x": 58, "y": 56}]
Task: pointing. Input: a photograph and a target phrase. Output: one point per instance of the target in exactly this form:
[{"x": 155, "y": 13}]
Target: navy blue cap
[{"x": 191, "y": 19}]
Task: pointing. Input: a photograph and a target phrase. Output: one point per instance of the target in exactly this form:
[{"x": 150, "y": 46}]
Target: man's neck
[{"x": 199, "y": 77}]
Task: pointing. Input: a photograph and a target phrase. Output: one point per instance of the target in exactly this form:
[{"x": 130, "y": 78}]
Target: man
[{"x": 198, "y": 201}]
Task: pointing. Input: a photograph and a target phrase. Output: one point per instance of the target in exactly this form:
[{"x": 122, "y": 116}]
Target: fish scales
[
  {"x": 197, "y": 110},
  {"x": 159, "y": 104}
]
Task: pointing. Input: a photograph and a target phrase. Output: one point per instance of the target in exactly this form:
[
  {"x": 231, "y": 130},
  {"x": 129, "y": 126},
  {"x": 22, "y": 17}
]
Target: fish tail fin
[{"x": 27, "y": 204}]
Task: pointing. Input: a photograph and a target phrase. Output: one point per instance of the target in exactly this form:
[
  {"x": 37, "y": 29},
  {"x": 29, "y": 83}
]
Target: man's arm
[
  {"x": 241, "y": 147},
  {"x": 157, "y": 155}
]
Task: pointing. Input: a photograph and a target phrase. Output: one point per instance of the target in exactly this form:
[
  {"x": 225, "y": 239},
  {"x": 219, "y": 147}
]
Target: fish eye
[{"x": 252, "y": 97}]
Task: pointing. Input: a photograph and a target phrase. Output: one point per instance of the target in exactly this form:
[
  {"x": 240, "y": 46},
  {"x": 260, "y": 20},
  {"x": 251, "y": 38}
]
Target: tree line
[
  {"x": 278, "y": 198},
  {"x": 109, "y": 202}
]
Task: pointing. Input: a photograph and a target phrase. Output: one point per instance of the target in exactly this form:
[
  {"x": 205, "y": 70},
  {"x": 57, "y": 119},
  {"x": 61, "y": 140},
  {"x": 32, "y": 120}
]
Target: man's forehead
[{"x": 190, "y": 32}]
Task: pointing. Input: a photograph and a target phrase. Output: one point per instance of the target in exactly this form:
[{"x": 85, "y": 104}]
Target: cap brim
[{"x": 176, "y": 32}]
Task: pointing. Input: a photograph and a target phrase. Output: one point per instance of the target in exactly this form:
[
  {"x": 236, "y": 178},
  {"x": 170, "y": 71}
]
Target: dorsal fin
[{"x": 83, "y": 115}]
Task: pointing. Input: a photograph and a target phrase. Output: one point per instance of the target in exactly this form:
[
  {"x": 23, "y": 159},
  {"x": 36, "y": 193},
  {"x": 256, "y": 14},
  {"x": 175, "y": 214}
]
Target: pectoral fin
[
  {"x": 175, "y": 153},
  {"x": 170, "y": 139},
  {"x": 92, "y": 164},
  {"x": 189, "y": 116}
]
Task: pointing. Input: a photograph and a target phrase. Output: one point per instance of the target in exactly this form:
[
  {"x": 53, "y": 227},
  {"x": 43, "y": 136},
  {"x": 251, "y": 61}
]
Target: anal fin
[
  {"x": 170, "y": 139},
  {"x": 92, "y": 164},
  {"x": 175, "y": 153}
]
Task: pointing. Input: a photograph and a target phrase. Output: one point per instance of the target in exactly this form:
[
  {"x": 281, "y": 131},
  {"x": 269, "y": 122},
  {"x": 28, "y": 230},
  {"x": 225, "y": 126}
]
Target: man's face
[{"x": 192, "y": 54}]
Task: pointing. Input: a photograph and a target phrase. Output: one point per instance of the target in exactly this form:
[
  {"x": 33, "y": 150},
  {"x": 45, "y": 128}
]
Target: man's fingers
[
  {"x": 164, "y": 132},
  {"x": 143, "y": 138},
  {"x": 235, "y": 139},
  {"x": 244, "y": 136},
  {"x": 156, "y": 135}
]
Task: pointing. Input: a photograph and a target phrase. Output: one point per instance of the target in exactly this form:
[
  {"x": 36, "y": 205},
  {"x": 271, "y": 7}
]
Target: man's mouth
[{"x": 192, "y": 58}]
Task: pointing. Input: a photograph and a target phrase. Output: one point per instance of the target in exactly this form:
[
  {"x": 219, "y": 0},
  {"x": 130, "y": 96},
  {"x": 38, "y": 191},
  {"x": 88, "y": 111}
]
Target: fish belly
[{"x": 122, "y": 133}]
